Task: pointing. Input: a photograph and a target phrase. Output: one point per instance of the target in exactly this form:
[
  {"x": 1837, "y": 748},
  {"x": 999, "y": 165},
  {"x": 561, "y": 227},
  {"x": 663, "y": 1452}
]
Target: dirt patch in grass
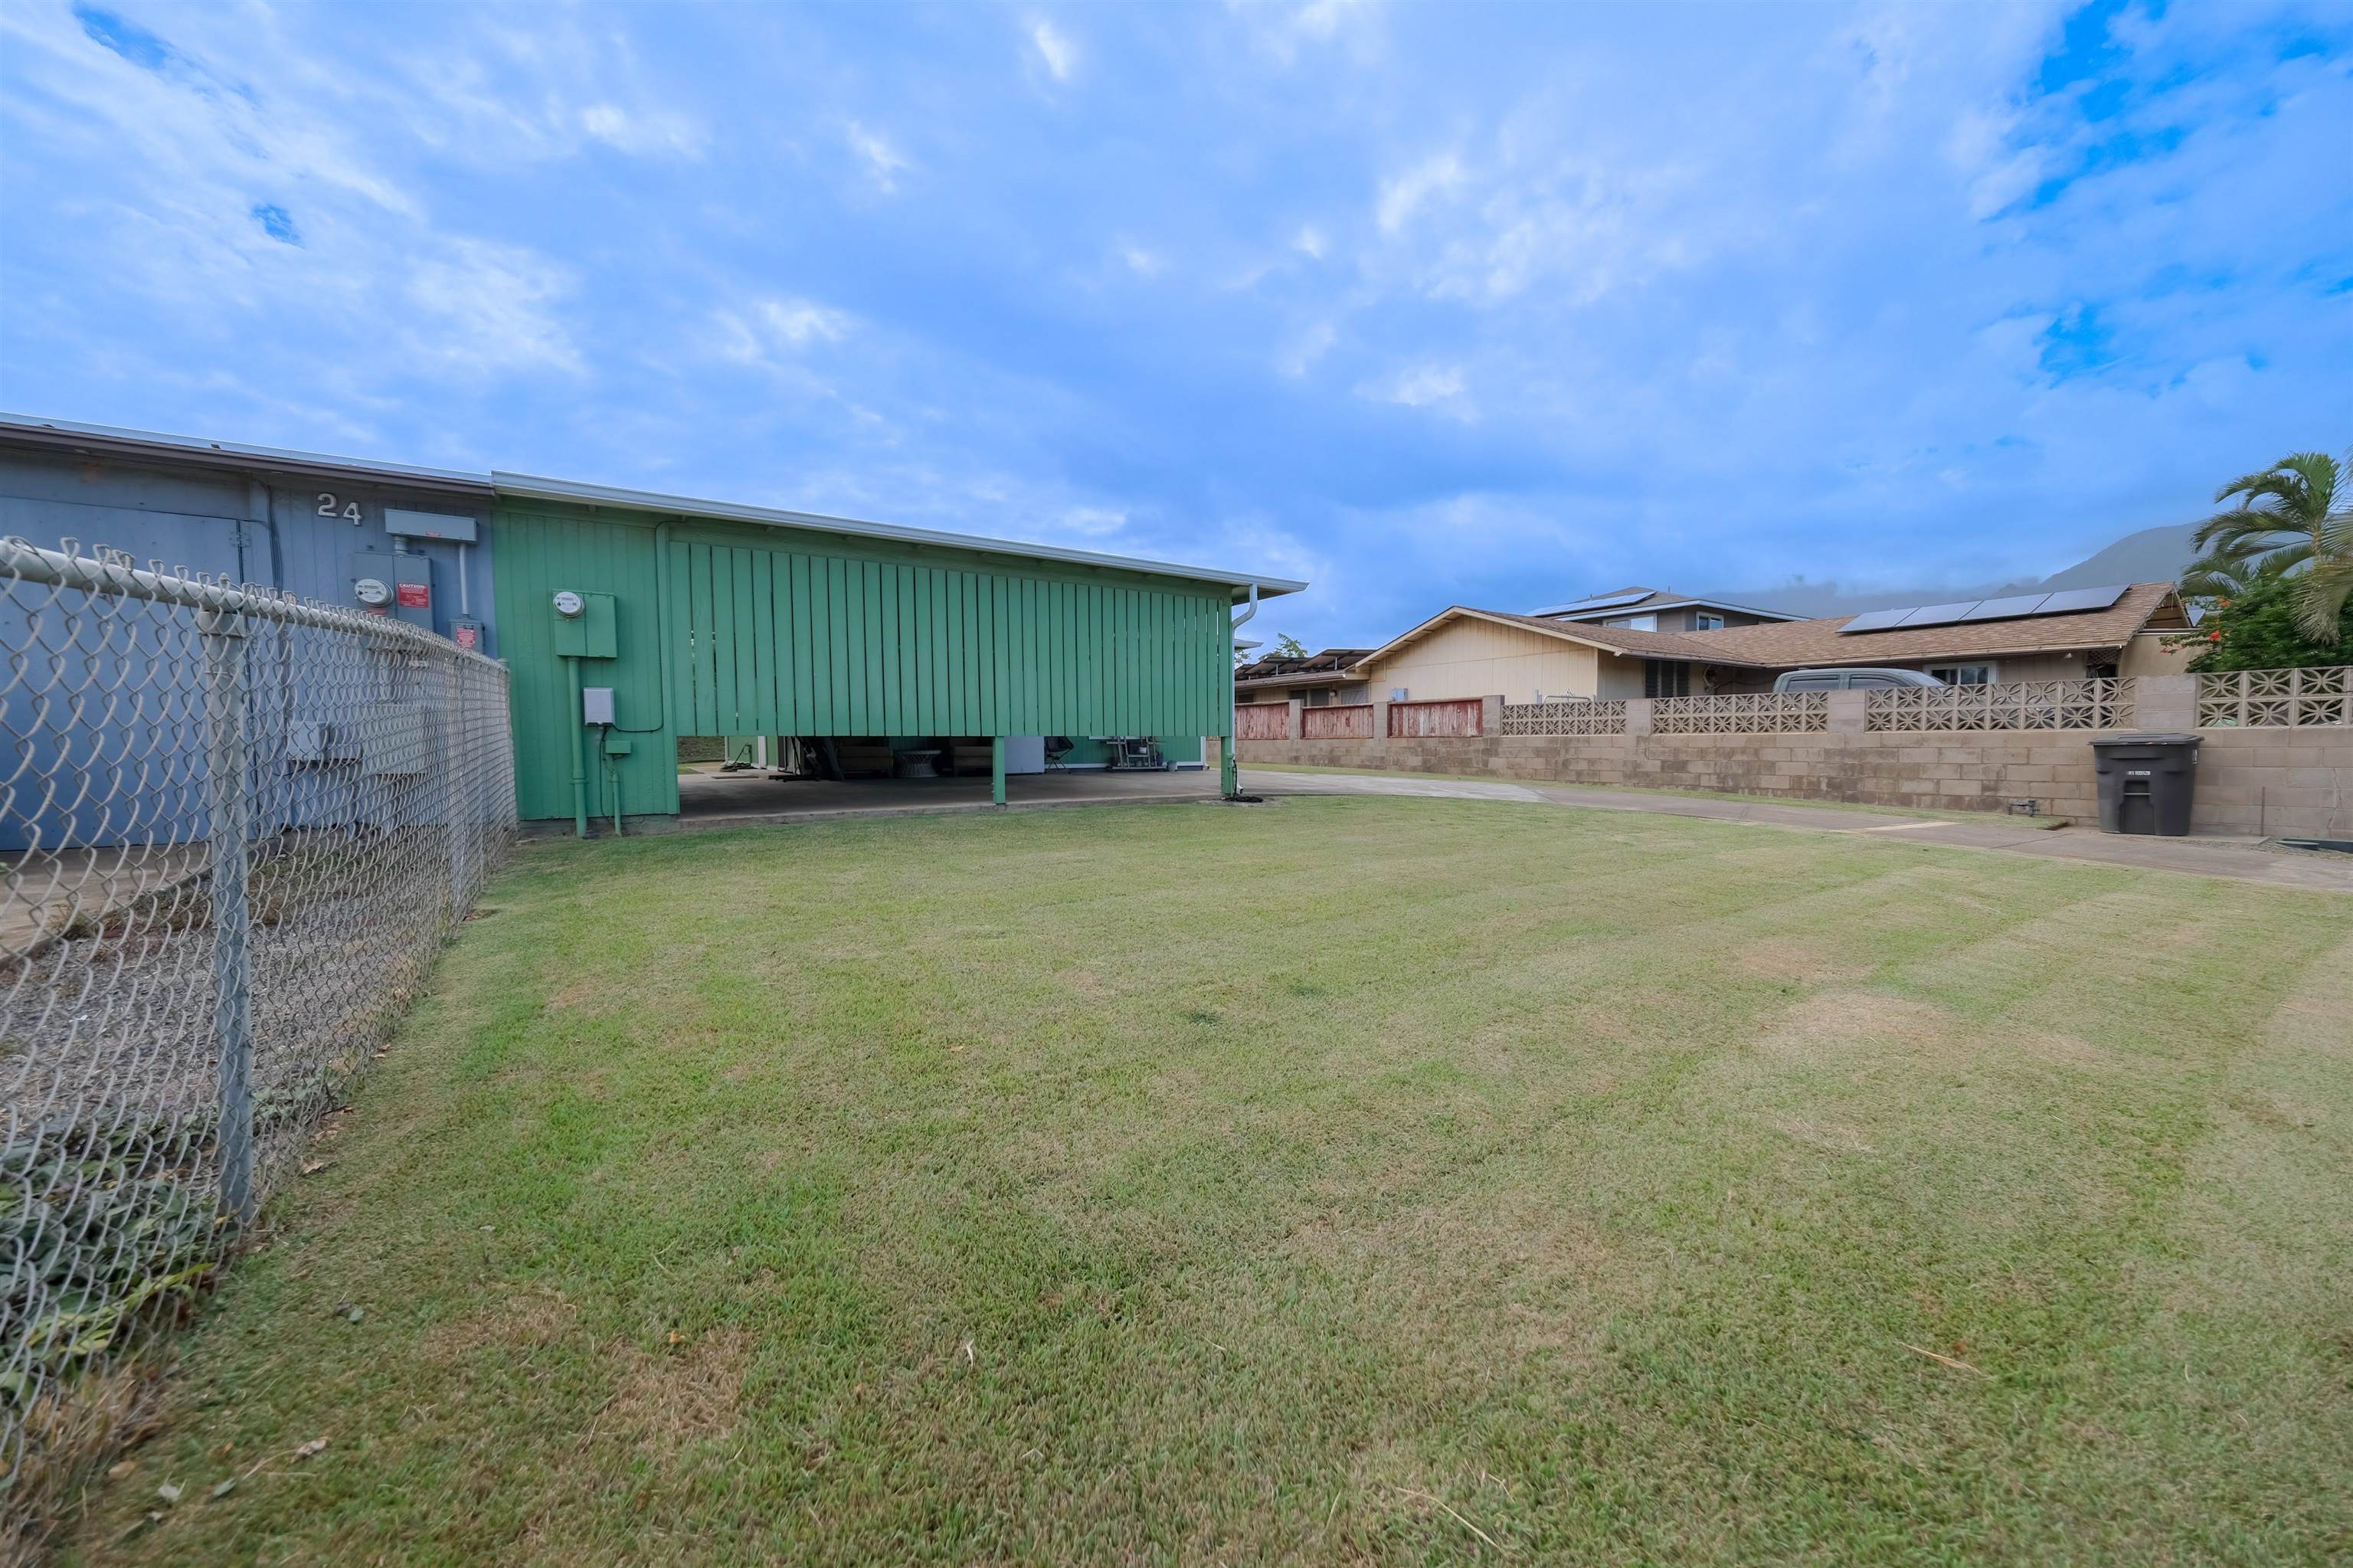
[
  {"x": 525, "y": 1321},
  {"x": 1839, "y": 1026},
  {"x": 668, "y": 1399},
  {"x": 578, "y": 994},
  {"x": 1797, "y": 959}
]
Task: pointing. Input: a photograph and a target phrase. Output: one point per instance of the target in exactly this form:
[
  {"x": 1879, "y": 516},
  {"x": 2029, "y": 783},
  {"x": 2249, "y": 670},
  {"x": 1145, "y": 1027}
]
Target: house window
[
  {"x": 1665, "y": 678},
  {"x": 1635, "y": 622},
  {"x": 1707, "y": 620},
  {"x": 1963, "y": 674}
]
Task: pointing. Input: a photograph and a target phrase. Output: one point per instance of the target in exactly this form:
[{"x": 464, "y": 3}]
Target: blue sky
[{"x": 1427, "y": 305}]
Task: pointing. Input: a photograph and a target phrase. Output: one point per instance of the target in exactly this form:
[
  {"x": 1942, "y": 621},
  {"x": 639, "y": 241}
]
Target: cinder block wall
[{"x": 2293, "y": 781}]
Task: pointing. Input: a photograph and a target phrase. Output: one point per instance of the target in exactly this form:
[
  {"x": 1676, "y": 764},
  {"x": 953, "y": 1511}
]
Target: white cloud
[
  {"x": 485, "y": 308},
  {"x": 1438, "y": 387},
  {"x": 773, "y": 332},
  {"x": 1144, "y": 263},
  {"x": 642, "y": 132},
  {"x": 1310, "y": 242},
  {"x": 1403, "y": 195},
  {"x": 1282, "y": 30},
  {"x": 1054, "y": 49},
  {"x": 194, "y": 159},
  {"x": 883, "y": 162},
  {"x": 1094, "y": 522},
  {"x": 1310, "y": 346}
]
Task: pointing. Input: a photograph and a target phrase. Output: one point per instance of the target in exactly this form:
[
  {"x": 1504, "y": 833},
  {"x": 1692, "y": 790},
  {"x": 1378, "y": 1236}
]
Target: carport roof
[
  {"x": 532, "y": 487},
  {"x": 118, "y": 441}
]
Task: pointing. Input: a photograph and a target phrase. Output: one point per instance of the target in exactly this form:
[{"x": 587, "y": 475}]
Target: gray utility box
[
  {"x": 2147, "y": 781},
  {"x": 407, "y": 581}
]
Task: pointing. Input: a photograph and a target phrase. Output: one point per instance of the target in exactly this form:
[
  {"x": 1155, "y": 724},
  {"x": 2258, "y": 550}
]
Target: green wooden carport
[{"x": 709, "y": 618}]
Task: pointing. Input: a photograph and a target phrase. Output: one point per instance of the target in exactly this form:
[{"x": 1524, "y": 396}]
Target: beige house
[{"x": 2072, "y": 635}]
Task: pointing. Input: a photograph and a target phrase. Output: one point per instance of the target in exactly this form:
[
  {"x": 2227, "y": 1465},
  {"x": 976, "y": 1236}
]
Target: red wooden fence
[
  {"x": 1457, "y": 717},
  {"x": 1263, "y": 721},
  {"x": 1354, "y": 722}
]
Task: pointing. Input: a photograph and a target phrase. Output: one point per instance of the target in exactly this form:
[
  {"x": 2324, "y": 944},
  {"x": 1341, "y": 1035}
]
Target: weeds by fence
[{"x": 235, "y": 828}]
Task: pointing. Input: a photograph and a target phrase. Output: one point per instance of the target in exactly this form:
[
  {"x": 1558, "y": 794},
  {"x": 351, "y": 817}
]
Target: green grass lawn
[{"x": 1336, "y": 1179}]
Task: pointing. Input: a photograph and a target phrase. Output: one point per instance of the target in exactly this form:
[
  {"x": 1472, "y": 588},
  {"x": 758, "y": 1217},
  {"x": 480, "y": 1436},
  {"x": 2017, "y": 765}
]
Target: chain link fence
[{"x": 237, "y": 827}]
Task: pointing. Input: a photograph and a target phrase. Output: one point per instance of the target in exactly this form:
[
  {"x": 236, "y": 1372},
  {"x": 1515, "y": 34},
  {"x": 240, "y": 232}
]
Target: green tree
[
  {"x": 1286, "y": 646},
  {"x": 2294, "y": 520},
  {"x": 2227, "y": 572},
  {"x": 2262, "y": 628}
]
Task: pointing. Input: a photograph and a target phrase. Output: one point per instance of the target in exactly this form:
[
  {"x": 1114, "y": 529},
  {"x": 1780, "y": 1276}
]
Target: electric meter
[
  {"x": 569, "y": 605},
  {"x": 372, "y": 592}
]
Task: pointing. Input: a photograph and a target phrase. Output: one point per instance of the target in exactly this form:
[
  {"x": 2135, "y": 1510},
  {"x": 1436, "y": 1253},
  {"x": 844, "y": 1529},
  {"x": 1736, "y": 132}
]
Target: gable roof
[
  {"x": 1611, "y": 605},
  {"x": 1609, "y": 639},
  {"x": 1791, "y": 643},
  {"x": 1794, "y": 644}
]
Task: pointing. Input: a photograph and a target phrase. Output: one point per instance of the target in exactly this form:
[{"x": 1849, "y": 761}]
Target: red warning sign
[
  {"x": 416, "y": 595},
  {"x": 467, "y": 634}
]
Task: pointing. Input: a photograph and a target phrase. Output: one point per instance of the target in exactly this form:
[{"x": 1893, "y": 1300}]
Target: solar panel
[
  {"x": 1607, "y": 601},
  {"x": 2011, "y": 608},
  {"x": 2016, "y": 607},
  {"x": 1940, "y": 614},
  {"x": 2069, "y": 599}
]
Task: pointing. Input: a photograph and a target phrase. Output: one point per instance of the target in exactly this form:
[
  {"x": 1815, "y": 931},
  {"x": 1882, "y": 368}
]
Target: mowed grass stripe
[{"x": 1195, "y": 1184}]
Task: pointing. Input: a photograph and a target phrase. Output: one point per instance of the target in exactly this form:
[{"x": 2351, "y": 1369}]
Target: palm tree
[
  {"x": 2295, "y": 516},
  {"x": 2225, "y": 573}
]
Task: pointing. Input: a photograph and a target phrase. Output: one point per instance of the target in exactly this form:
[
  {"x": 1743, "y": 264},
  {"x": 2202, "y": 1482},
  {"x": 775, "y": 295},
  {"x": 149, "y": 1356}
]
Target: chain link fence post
[
  {"x": 457, "y": 800},
  {"x": 226, "y": 824}
]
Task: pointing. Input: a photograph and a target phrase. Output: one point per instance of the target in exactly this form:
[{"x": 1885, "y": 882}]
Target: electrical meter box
[
  {"x": 399, "y": 586},
  {"x": 466, "y": 631},
  {"x": 589, "y": 634}
]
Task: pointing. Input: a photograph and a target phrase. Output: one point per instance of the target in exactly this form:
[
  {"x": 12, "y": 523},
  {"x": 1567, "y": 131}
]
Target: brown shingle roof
[{"x": 1792, "y": 644}]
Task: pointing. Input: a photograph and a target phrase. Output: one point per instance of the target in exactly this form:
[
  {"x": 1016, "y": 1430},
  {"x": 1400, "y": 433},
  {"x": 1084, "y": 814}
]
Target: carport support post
[
  {"x": 996, "y": 769},
  {"x": 226, "y": 828}
]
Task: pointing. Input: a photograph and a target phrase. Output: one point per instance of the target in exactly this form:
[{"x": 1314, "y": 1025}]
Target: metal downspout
[
  {"x": 1231, "y": 765},
  {"x": 579, "y": 732}
]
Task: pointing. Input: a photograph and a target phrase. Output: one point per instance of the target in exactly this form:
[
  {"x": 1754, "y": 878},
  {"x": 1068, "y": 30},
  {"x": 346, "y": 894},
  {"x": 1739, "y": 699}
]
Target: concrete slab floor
[
  {"x": 715, "y": 800},
  {"x": 45, "y": 893}
]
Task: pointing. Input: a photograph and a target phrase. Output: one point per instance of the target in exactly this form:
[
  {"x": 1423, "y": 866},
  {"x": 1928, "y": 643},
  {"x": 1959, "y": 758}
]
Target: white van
[{"x": 1849, "y": 680}]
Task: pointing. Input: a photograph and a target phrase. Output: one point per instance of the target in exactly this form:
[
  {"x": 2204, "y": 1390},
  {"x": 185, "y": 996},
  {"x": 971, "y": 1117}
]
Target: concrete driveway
[{"x": 2240, "y": 860}]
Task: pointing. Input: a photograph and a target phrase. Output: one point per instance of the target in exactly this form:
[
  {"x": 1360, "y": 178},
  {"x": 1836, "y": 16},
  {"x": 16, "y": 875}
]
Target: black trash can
[{"x": 2146, "y": 783}]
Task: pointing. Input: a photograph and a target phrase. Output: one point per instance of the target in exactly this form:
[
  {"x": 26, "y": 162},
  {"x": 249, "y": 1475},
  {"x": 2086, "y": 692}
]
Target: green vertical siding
[
  {"x": 786, "y": 632},
  {"x": 793, "y": 642},
  {"x": 536, "y": 558}
]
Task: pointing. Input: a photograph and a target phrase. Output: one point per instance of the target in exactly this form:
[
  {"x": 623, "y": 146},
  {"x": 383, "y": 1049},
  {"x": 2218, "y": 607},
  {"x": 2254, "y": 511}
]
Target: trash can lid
[{"x": 2149, "y": 737}]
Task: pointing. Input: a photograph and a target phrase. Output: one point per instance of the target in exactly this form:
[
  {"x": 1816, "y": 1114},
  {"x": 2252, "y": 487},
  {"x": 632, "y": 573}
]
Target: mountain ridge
[{"x": 2148, "y": 555}]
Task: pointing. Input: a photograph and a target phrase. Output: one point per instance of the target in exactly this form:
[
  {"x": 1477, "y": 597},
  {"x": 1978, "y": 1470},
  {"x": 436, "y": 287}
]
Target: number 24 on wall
[{"x": 350, "y": 510}]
